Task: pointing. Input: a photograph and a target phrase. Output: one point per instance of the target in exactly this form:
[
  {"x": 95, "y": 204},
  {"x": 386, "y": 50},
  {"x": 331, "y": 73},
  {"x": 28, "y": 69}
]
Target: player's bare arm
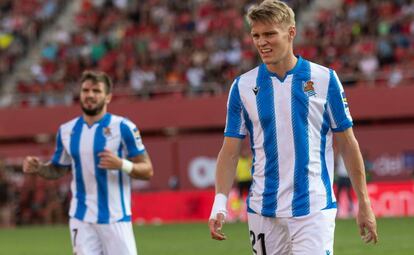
[
  {"x": 140, "y": 165},
  {"x": 349, "y": 148},
  {"x": 142, "y": 168},
  {"x": 225, "y": 173},
  {"x": 45, "y": 170}
]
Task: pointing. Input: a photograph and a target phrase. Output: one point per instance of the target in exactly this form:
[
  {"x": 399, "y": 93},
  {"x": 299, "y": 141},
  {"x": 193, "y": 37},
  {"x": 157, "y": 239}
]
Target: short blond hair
[{"x": 271, "y": 11}]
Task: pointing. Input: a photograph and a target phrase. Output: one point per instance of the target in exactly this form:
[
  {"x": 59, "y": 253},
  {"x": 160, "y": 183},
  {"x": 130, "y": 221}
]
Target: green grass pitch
[{"x": 396, "y": 238}]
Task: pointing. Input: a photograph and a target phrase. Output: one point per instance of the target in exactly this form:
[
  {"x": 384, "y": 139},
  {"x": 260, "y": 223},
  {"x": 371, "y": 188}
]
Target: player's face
[
  {"x": 93, "y": 98},
  {"x": 273, "y": 41}
]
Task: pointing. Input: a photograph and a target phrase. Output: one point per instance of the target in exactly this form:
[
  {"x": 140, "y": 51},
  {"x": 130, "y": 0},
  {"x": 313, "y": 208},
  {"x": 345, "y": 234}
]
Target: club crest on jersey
[
  {"x": 308, "y": 88},
  {"x": 107, "y": 132}
]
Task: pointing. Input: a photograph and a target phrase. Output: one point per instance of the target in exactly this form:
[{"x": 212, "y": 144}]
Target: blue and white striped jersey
[
  {"x": 98, "y": 195},
  {"x": 290, "y": 123}
]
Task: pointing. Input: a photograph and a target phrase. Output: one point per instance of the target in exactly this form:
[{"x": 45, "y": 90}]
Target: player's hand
[
  {"x": 216, "y": 226},
  {"x": 367, "y": 224},
  {"x": 31, "y": 165},
  {"x": 108, "y": 160}
]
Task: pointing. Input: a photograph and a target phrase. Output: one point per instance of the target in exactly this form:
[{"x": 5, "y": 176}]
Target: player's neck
[
  {"x": 90, "y": 120},
  {"x": 283, "y": 66}
]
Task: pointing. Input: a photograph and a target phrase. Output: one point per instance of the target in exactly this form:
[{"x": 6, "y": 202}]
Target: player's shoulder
[
  {"x": 318, "y": 69},
  {"x": 118, "y": 120},
  {"x": 320, "y": 75},
  {"x": 68, "y": 125},
  {"x": 65, "y": 129},
  {"x": 249, "y": 77},
  {"x": 246, "y": 80}
]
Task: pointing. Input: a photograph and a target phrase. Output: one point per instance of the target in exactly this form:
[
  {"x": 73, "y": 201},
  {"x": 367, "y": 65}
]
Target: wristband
[
  {"x": 219, "y": 206},
  {"x": 127, "y": 166}
]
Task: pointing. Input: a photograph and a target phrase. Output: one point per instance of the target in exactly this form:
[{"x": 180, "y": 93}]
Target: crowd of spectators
[
  {"x": 150, "y": 48},
  {"x": 21, "y": 23},
  {"x": 365, "y": 41},
  {"x": 29, "y": 199},
  {"x": 175, "y": 48}
]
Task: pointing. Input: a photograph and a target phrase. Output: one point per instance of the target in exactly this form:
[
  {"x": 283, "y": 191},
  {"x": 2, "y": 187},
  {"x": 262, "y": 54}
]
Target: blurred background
[{"x": 172, "y": 63}]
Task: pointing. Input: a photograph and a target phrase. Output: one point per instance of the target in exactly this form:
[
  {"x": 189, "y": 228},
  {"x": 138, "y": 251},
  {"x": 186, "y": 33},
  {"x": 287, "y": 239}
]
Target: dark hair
[{"x": 96, "y": 77}]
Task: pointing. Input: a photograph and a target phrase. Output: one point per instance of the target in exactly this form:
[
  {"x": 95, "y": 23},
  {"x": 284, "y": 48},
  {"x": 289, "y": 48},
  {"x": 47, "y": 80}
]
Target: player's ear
[
  {"x": 292, "y": 32},
  {"x": 108, "y": 98}
]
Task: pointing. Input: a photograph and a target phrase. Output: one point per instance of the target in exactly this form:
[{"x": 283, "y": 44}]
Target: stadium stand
[
  {"x": 150, "y": 49},
  {"x": 21, "y": 24},
  {"x": 160, "y": 47},
  {"x": 173, "y": 48},
  {"x": 366, "y": 42}
]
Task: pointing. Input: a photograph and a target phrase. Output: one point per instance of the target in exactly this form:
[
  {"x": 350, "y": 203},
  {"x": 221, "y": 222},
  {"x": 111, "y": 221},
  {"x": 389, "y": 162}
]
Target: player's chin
[{"x": 268, "y": 60}]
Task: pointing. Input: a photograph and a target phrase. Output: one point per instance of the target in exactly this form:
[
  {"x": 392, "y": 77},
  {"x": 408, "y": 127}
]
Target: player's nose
[{"x": 261, "y": 42}]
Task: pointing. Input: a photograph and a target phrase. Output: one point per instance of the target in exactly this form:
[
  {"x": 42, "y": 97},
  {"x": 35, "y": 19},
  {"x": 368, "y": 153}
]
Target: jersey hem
[
  {"x": 136, "y": 153},
  {"x": 331, "y": 206},
  {"x": 299, "y": 213},
  {"x": 58, "y": 164},
  {"x": 234, "y": 135},
  {"x": 126, "y": 218},
  {"x": 344, "y": 126}
]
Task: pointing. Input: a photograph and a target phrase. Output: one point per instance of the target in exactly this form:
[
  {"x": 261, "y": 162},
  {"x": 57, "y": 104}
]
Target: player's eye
[{"x": 269, "y": 34}]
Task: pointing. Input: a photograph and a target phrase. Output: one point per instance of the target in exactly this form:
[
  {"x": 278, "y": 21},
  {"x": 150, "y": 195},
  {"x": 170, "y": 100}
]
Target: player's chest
[
  {"x": 90, "y": 140},
  {"x": 283, "y": 102}
]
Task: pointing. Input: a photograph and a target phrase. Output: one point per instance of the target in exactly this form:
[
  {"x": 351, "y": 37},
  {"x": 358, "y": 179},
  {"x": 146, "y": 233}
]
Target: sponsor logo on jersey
[
  {"x": 344, "y": 100},
  {"x": 309, "y": 89},
  {"x": 137, "y": 135},
  {"x": 255, "y": 90}
]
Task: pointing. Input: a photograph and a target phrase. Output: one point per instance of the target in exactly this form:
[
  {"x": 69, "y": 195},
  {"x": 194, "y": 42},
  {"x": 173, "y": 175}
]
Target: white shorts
[
  {"x": 311, "y": 234},
  {"x": 102, "y": 239}
]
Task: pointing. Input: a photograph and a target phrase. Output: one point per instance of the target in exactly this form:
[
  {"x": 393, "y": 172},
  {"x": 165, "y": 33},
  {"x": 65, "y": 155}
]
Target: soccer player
[
  {"x": 290, "y": 108},
  {"x": 103, "y": 151}
]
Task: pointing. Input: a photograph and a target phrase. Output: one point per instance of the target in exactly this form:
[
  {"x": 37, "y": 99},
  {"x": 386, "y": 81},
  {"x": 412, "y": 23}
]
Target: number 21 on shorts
[{"x": 260, "y": 238}]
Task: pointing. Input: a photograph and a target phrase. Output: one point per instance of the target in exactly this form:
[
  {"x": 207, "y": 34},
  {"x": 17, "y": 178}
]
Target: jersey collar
[
  {"x": 291, "y": 71},
  {"x": 103, "y": 120}
]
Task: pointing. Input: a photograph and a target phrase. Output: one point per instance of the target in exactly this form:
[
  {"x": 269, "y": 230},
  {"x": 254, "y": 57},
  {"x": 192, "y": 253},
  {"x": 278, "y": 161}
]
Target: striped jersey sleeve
[
  {"x": 235, "y": 122},
  {"x": 338, "y": 109},
  {"x": 131, "y": 139},
  {"x": 60, "y": 156}
]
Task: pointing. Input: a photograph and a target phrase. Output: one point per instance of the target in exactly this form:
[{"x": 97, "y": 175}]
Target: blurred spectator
[
  {"x": 6, "y": 200},
  {"x": 243, "y": 173},
  {"x": 30, "y": 200},
  {"x": 43, "y": 201},
  {"x": 395, "y": 76},
  {"x": 343, "y": 185},
  {"x": 368, "y": 65}
]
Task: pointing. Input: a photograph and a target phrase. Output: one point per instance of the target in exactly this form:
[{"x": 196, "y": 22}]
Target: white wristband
[
  {"x": 127, "y": 166},
  {"x": 219, "y": 206}
]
